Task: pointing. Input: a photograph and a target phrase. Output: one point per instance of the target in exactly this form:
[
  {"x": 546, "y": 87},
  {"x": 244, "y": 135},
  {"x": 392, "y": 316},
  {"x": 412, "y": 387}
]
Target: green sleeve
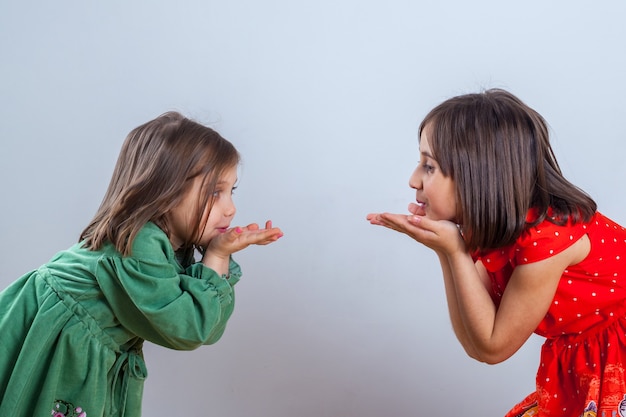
[{"x": 153, "y": 297}]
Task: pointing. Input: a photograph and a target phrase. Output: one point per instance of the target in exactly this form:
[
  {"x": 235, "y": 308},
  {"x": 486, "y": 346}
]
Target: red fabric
[{"x": 583, "y": 360}]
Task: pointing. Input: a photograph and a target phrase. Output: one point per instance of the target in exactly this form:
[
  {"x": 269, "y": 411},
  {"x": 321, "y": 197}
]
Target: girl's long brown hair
[
  {"x": 497, "y": 151},
  {"x": 153, "y": 171}
]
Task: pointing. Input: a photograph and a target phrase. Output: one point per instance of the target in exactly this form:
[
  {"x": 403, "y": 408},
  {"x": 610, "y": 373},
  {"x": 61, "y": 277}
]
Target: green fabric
[{"x": 71, "y": 332}]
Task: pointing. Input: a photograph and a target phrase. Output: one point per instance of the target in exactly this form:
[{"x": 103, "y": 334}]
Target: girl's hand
[
  {"x": 442, "y": 236},
  {"x": 238, "y": 238},
  {"x": 217, "y": 254}
]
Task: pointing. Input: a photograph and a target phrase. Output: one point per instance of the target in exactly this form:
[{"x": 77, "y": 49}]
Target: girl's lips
[{"x": 222, "y": 229}]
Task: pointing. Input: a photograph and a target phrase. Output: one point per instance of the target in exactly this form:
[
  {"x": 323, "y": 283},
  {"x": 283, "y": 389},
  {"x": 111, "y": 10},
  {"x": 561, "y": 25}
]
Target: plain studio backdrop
[{"x": 323, "y": 100}]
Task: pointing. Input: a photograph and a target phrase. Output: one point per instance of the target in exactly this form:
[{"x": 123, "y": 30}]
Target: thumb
[
  {"x": 423, "y": 223},
  {"x": 233, "y": 234}
]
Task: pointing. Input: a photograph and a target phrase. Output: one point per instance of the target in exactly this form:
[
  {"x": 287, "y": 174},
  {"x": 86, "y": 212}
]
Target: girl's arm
[
  {"x": 453, "y": 304},
  {"x": 487, "y": 333},
  {"x": 413, "y": 229},
  {"x": 497, "y": 333},
  {"x": 152, "y": 297}
]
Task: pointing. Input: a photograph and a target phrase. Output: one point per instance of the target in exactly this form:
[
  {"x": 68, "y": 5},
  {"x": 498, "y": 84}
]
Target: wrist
[{"x": 217, "y": 262}]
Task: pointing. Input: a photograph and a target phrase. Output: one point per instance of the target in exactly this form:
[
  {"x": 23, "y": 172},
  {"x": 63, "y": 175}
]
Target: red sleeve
[{"x": 545, "y": 240}]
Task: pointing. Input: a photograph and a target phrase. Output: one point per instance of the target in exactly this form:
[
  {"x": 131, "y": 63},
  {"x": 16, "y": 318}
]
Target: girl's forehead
[
  {"x": 229, "y": 174},
  {"x": 426, "y": 132},
  {"x": 424, "y": 144}
]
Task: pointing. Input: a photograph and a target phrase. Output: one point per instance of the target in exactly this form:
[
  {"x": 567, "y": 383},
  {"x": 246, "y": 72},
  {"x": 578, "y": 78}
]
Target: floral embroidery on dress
[
  {"x": 591, "y": 410},
  {"x": 64, "y": 409}
]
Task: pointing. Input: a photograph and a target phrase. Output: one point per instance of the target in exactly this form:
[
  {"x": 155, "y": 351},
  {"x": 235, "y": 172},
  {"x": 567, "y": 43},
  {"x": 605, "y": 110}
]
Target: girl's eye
[
  {"x": 426, "y": 167},
  {"x": 217, "y": 193}
]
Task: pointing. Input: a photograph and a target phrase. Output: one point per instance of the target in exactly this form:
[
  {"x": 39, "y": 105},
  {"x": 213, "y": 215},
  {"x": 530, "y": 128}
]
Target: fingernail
[{"x": 238, "y": 230}]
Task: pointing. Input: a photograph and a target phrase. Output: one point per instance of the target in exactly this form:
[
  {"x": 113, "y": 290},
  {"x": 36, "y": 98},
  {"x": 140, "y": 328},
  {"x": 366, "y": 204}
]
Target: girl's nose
[
  {"x": 415, "y": 181},
  {"x": 230, "y": 209}
]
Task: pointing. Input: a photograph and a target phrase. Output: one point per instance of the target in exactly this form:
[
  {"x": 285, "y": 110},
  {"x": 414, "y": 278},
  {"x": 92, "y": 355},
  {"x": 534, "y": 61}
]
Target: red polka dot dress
[{"x": 583, "y": 360}]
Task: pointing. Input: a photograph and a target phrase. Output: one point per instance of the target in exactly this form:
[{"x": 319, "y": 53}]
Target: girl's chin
[
  {"x": 435, "y": 217},
  {"x": 206, "y": 239}
]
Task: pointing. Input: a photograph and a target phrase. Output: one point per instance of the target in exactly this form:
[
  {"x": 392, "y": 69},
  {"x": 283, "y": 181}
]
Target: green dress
[{"x": 71, "y": 332}]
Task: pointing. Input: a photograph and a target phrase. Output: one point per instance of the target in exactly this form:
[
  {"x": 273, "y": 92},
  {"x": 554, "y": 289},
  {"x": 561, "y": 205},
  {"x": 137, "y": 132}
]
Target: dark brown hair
[
  {"x": 497, "y": 151},
  {"x": 153, "y": 171}
]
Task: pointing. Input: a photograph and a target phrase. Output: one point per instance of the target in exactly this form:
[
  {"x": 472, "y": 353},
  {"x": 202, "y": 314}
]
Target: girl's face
[
  {"x": 436, "y": 193},
  {"x": 182, "y": 217}
]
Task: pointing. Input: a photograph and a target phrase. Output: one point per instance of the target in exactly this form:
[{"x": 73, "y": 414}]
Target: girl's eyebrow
[{"x": 220, "y": 182}]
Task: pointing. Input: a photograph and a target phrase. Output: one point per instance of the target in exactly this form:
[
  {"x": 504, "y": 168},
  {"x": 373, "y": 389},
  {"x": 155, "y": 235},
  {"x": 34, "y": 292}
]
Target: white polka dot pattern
[
  {"x": 588, "y": 291},
  {"x": 583, "y": 361}
]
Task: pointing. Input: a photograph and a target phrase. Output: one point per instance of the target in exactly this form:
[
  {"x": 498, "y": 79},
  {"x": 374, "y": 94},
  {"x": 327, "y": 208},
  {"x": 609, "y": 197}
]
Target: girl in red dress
[{"x": 522, "y": 250}]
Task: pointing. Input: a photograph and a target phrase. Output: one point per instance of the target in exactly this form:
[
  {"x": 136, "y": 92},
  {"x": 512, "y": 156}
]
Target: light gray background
[{"x": 323, "y": 99}]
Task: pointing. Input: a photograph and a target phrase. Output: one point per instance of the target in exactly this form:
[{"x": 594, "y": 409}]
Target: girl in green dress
[{"x": 72, "y": 330}]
